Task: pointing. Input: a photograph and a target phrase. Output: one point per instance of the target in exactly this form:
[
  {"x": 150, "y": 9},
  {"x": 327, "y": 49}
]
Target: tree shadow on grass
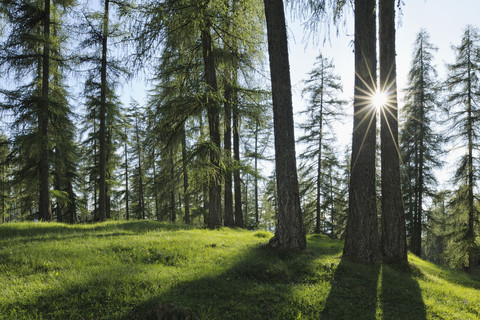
[
  {"x": 401, "y": 296},
  {"x": 353, "y": 294}
]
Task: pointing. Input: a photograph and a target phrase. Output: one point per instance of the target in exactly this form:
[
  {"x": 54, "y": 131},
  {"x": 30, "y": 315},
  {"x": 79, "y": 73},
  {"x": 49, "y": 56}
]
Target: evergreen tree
[
  {"x": 464, "y": 100},
  {"x": 323, "y": 110},
  {"x": 420, "y": 145}
]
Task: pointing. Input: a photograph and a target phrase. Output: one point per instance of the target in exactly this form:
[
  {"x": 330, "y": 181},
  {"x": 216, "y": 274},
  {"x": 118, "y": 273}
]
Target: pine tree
[
  {"x": 464, "y": 100},
  {"x": 420, "y": 145}
]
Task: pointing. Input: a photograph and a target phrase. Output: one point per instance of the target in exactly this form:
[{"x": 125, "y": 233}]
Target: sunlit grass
[{"x": 149, "y": 270}]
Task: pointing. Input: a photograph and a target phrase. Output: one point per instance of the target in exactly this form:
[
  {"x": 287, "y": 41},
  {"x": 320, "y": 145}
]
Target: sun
[{"x": 379, "y": 99}]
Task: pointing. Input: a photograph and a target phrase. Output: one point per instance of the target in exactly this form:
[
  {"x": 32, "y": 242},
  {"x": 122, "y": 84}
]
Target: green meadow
[{"x": 150, "y": 270}]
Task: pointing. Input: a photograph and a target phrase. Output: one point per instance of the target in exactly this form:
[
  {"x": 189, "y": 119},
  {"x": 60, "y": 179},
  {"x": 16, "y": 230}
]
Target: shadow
[
  {"x": 353, "y": 294},
  {"x": 42, "y": 230},
  {"x": 401, "y": 292}
]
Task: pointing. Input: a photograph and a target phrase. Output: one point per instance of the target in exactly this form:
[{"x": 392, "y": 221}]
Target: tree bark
[
  {"x": 213, "y": 114},
  {"x": 237, "y": 185},
  {"x": 102, "y": 135},
  {"x": 186, "y": 194},
  {"x": 127, "y": 209},
  {"x": 394, "y": 243},
  {"x": 290, "y": 232},
  {"x": 361, "y": 235},
  {"x": 44, "y": 207},
  {"x": 227, "y": 145}
]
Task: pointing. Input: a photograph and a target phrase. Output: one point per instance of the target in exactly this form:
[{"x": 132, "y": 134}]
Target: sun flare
[{"x": 379, "y": 99}]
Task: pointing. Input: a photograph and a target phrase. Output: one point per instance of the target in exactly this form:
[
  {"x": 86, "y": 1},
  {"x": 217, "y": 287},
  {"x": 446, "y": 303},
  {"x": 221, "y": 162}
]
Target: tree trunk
[
  {"x": 361, "y": 235},
  {"x": 186, "y": 194},
  {"x": 227, "y": 144},
  {"x": 44, "y": 208},
  {"x": 155, "y": 195},
  {"x": 290, "y": 233},
  {"x": 102, "y": 201},
  {"x": 58, "y": 187},
  {"x": 173, "y": 214},
  {"x": 257, "y": 218},
  {"x": 213, "y": 113},
  {"x": 319, "y": 169},
  {"x": 237, "y": 185},
  {"x": 127, "y": 209},
  {"x": 141, "y": 195},
  {"x": 394, "y": 243}
]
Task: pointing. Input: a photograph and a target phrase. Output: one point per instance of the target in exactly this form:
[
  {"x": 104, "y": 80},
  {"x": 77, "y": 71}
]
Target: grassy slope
[{"x": 149, "y": 270}]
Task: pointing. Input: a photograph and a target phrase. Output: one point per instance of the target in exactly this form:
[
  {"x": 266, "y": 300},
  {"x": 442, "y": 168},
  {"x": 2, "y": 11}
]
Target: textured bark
[
  {"x": 318, "y": 228},
  {"x": 227, "y": 145},
  {"x": 213, "y": 114},
  {"x": 44, "y": 208},
  {"x": 394, "y": 243},
  {"x": 102, "y": 134},
  {"x": 256, "y": 176},
  {"x": 361, "y": 236},
  {"x": 290, "y": 232},
  {"x": 173, "y": 214}
]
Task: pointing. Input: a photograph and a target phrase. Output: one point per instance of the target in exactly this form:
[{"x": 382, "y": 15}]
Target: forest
[{"x": 217, "y": 141}]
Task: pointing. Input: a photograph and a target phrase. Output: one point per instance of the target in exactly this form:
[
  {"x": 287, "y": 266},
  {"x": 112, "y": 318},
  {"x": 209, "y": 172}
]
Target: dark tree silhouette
[{"x": 361, "y": 237}]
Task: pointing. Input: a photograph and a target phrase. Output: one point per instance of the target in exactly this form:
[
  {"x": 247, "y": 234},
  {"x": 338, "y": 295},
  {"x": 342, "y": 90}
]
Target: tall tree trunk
[
  {"x": 394, "y": 243},
  {"x": 141, "y": 195},
  {"x": 127, "y": 209},
  {"x": 72, "y": 206},
  {"x": 470, "y": 235},
  {"x": 257, "y": 218},
  {"x": 237, "y": 184},
  {"x": 186, "y": 194},
  {"x": 102, "y": 200},
  {"x": 319, "y": 169},
  {"x": 58, "y": 187},
  {"x": 155, "y": 193},
  {"x": 361, "y": 237},
  {"x": 213, "y": 113},
  {"x": 173, "y": 214},
  {"x": 44, "y": 208},
  {"x": 290, "y": 233},
  {"x": 227, "y": 144}
]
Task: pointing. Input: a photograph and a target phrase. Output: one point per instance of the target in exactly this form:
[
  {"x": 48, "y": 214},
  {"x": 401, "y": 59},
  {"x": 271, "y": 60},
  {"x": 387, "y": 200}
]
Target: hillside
[{"x": 149, "y": 270}]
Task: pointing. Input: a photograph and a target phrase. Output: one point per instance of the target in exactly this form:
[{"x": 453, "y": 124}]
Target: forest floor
[{"x": 149, "y": 270}]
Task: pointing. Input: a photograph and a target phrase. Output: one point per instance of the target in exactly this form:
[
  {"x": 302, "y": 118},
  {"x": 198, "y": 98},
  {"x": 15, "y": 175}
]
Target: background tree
[
  {"x": 420, "y": 145},
  {"x": 323, "y": 110},
  {"x": 464, "y": 101}
]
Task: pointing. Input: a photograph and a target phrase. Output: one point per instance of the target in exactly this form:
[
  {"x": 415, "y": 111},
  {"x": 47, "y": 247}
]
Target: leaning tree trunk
[
  {"x": 44, "y": 208},
  {"x": 213, "y": 114},
  {"x": 394, "y": 243},
  {"x": 290, "y": 232},
  {"x": 361, "y": 235}
]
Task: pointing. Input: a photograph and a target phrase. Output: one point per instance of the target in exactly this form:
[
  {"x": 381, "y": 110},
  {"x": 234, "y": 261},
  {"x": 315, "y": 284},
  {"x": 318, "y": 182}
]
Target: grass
[{"x": 150, "y": 270}]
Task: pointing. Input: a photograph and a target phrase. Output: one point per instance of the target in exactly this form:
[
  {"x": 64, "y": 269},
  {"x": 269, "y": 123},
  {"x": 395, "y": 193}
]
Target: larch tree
[
  {"x": 464, "y": 101},
  {"x": 361, "y": 236},
  {"x": 324, "y": 109},
  {"x": 420, "y": 145},
  {"x": 290, "y": 232},
  {"x": 394, "y": 244}
]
